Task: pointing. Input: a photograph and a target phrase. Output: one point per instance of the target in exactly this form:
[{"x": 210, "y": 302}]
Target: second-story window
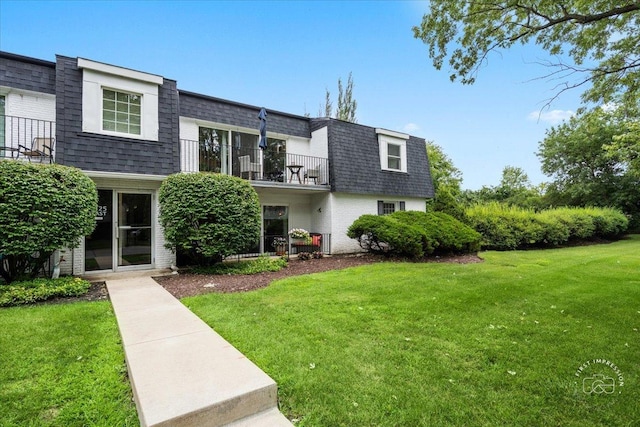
[
  {"x": 121, "y": 111},
  {"x": 393, "y": 150},
  {"x": 394, "y": 156}
]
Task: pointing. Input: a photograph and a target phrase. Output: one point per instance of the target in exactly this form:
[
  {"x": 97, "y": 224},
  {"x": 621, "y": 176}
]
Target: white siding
[
  {"x": 319, "y": 146},
  {"x": 189, "y": 156},
  {"x": 32, "y": 105}
]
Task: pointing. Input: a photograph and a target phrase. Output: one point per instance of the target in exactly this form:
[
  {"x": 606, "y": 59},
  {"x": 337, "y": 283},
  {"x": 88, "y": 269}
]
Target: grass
[
  {"x": 63, "y": 365},
  {"x": 495, "y": 343}
]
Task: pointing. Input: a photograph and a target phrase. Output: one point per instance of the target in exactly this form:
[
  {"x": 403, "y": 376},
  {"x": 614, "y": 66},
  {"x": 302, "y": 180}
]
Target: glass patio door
[
  {"x": 134, "y": 231},
  {"x": 275, "y": 222}
]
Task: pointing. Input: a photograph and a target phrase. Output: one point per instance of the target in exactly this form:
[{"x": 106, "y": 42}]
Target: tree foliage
[
  {"x": 514, "y": 189},
  {"x": 577, "y": 155},
  {"x": 347, "y": 105},
  {"x": 600, "y": 36},
  {"x": 42, "y": 208},
  {"x": 447, "y": 181},
  {"x": 209, "y": 216}
]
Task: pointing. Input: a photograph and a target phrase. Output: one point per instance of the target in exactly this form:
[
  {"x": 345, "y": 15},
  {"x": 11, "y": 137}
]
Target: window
[
  {"x": 119, "y": 102},
  {"x": 121, "y": 111},
  {"x": 394, "y": 157},
  {"x": 214, "y": 148},
  {"x": 388, "y": 207},
  {"x": 393, "y": 150}
]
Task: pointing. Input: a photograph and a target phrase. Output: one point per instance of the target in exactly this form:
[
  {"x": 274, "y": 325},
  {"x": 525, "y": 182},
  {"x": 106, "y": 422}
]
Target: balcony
[
  {"x": 267, "y": 166},
  {"x": 27, "y": 139}
]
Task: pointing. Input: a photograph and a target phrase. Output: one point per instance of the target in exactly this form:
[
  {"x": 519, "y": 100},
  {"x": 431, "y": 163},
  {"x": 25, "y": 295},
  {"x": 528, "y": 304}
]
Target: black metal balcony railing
[
  {"x": 256, "y": 164},
  {"x": 27, "y": 138},
  {"x": 280, "y": 167}
]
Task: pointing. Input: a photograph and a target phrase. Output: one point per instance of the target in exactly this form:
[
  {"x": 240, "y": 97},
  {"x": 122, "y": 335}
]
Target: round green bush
[
  {"x": 442, "y": 233},
  {"x": 42, "y": 208},
  {"x": 388, "y": 236},
  {"x": 209, "y": 216}
]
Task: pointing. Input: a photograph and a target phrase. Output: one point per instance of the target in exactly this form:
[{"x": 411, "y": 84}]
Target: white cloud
[
  {"x": 552, "y": 117},
  {"x": 411, "y": 127}
]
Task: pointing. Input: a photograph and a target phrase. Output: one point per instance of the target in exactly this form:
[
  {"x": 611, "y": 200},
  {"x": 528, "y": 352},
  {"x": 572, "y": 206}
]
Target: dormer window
[
  {"x": 118, "y": 101},
  {"x": 394, "y": 156},
  {"x": 121, "y": 111},
  {"x": 393, "y": 150}
]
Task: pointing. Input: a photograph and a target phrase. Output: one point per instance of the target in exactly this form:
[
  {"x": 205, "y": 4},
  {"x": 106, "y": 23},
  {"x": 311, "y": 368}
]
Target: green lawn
[
  {"x": 403, "y": 344},
  {"x": 63, "y": 365}
]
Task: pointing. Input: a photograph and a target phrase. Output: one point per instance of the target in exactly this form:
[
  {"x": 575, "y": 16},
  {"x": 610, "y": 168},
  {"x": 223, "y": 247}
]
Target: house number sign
[{"x": 102, "y": 212}]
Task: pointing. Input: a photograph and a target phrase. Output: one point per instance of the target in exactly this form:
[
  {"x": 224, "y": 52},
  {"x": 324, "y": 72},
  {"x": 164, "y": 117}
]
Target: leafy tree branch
[{"x": 602, "y": 34}]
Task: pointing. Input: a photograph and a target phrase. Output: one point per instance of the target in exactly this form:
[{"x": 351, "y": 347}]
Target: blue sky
[{"x": 283, "y": 55}]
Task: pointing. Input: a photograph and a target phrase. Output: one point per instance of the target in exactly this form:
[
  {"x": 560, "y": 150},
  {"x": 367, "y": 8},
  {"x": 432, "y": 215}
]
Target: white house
[{"x": 128, "y": 130}]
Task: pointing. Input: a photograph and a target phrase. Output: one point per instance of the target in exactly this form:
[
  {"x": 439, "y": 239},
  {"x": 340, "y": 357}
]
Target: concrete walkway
[{"x": 181, "y": 371}]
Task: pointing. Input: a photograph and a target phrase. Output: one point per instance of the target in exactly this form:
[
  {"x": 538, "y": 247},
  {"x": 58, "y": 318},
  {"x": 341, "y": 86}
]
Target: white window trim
[
  {"x": 96, "y": 77},
  {"x": 116, "y": 121},
  {"x": 384, "y": 139}
]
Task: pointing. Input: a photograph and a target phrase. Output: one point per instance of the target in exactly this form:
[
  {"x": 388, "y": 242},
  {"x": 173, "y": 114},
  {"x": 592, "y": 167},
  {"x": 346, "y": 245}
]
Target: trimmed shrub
[
  {"x": 259, "y": 265},
  {"x": 209, "y": 216},
  {"x": 442, "y": 232},
  {"x": 556, "y": 232},
  {"x": 388, "y": 236},
  {"x": 35, "y": 290},
  {"x": 42, "y": 208},
  {"x": 507, "y": 227}
]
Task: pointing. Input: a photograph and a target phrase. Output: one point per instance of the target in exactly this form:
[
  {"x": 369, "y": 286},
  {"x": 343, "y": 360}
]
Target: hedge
[
  {"x": 506, "y": 227},
  {"x": 35, "y": 290}
]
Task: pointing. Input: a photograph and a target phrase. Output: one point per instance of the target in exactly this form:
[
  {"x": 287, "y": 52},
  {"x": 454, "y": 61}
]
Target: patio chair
[
  {"x": 41, "y": 148},
  {"x": 248, "y": 167},
  {"x": 312, "y": 174}
]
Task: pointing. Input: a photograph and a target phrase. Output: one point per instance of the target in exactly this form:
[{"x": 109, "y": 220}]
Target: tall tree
[
  {"x": 327, "y": 109},
  {"x": 600, "y": 36},
  {"x": 347, "y": 105}
]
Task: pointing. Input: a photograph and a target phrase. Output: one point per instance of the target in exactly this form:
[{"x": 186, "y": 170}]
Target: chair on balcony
[
  {"x": 248, "y": 167},
  {"x": 41, "y": 148},
  {"x": 312, "y": 174}
]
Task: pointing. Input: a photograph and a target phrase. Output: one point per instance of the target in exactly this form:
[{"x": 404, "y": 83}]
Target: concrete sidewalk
[{"x": 181, "y": 371}]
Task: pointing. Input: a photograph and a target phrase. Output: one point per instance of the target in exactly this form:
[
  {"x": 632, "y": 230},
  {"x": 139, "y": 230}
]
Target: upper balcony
[
  {"x": 28, "y": 139},
  {"x": 260, "y": 166}
]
